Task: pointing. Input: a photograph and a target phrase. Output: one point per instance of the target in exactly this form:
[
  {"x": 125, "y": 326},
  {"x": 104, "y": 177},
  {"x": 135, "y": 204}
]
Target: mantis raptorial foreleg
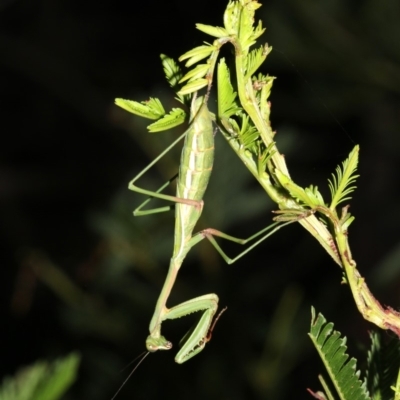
[{"x": 197, "y": 339}]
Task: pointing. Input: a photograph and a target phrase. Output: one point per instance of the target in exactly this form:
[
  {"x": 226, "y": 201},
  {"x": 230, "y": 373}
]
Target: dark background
[{"x": 78, "y": 272}]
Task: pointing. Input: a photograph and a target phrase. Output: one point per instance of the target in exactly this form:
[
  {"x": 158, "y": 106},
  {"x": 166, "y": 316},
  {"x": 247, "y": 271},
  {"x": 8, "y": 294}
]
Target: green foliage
[
  {"x": 309, "y": 196},
  {"x": 227, "y": 104},
  {"x": 239, "y": 18},
  {"x": 200, "y": 71},
  {"x": 215, "y": 31},
  {"x": 176, "y": 117},
  {"x": 193, "y": 86},
  {"x": 383, "y": 366},
  {"x": 42, "y": 380},
  {"x": 236, "y": 122},
  {"x": 343, "y": 184},
  {"x": 255, "y": 58},
  {"x": 151, "y": 109},
  {"x": 197, "y": 54},
  {"x": 172, "y": 71},
  {"x": 332, "y": 350}
]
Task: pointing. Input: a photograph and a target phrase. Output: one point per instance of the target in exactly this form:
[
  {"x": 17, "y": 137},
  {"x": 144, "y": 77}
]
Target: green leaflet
[
  {"x": 198, "y": 72},
  {"x": 174, "y": 74},
  {"x": 215, "y": 31},
  {"x": 151, "y": 109},
  {"x": 193, "y": 86},
  {"x": 332, "y": 350},
  {"x": 176, "y": 117},
  {"x": 383, "y": 365},
  {"x": 342, "y": 184},
  {"x": 255, "y": 58},
  {"x": 197, "y": 54},
  {"x": 172, "y": 70},
  {"x": 227, "y": 97}
]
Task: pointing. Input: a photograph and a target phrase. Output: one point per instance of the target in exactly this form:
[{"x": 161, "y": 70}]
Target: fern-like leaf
[
  {"x": 174, "y": 74},
  {"x": 172, "y": 70},
  {"x": 383, "y": 366},
  {"x": 197, "y": 54},
  {"x": 215, "y": 31},
  {"x": 249, "y": 135},
  {"x": 200, "y": 71},
  {"x": 227, "y": 105},
  {"x": 151, "y": 109},
  {"x": 343, "y": 184},
  {"x": 193, "y": 86},
  {"x": 254, "y": 59},
  {"x": 332, "y": 350},
  {"x": 176, "y": 117}
]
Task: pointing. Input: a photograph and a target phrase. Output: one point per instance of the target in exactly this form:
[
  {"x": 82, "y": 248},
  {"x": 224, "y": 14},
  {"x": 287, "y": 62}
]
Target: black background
[{"x": 78, "y": 272}]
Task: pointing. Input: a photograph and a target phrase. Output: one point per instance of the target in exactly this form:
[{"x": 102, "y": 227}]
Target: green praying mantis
[{"x": 194, "y": 173}]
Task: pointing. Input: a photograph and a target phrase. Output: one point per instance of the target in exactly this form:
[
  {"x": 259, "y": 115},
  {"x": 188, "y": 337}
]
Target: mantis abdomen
[{"x": 194, "y": 174}]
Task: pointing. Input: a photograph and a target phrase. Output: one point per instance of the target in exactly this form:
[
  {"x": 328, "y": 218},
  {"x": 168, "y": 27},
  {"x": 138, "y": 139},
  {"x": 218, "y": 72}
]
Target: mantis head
[{"x": 160, "y": 343}]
